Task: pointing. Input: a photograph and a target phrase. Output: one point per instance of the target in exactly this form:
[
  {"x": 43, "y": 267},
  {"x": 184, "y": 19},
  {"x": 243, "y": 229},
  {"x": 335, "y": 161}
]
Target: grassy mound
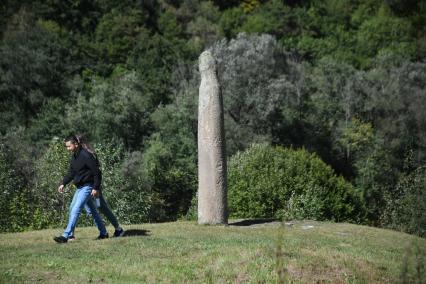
[{"x": 248, "y": 252}]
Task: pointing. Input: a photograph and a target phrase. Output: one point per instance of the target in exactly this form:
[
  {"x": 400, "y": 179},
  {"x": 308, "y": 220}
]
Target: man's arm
[{"x": 67, "y": 179}]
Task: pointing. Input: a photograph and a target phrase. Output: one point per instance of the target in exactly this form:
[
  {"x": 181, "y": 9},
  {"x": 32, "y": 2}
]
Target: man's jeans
[
  {"x": 103, "y": 208},
  {"x": 81, "y": 198}
]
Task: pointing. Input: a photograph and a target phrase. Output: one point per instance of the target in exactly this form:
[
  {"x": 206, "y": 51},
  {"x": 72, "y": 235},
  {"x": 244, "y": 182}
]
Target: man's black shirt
[{"x": 84, "y": 169}]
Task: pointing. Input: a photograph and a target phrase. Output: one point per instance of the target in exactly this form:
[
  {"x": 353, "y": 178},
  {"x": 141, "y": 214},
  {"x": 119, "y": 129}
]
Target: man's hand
[
  {"x": 95, "y": 193},
  {"x": 61, "y": 188}
]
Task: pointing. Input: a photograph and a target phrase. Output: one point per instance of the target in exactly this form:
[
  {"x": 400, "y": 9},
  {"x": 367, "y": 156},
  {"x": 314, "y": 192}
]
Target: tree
[
  {"x": 252, "y": 75},
  {"x": 33, "y": 68},
  {"x": 170, "y": 155},
  {"x": 405, "y": 208},
  {"x": 116, "y": 35},
  {"x": 115, "y": 108},
  {"x": 333, "y": 102},
  {"x": 273, "y": 18},
  {"x": 396, "y": 95},
  {"x": 385, "y": 33},
  {"x": 201, "y": 27}
]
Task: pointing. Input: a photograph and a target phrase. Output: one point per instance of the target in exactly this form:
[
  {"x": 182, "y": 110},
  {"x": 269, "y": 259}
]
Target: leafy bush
[
  {"x": 192, "y": 214},
  {"x": 6, "y": 184},
  {"x": 11, "y": 196},
  {"x": 124, "y": 184},
  {"x": 266, "y": 181},
  {"x": 405, "y": 211},
  {"x": 170, "y": 175}
]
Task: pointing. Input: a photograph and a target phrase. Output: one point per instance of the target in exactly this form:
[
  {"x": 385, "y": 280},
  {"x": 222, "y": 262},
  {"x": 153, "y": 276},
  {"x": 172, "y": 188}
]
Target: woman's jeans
[
  {"x": 104, "y": 209},
  {"x": 82, "y": 197}
]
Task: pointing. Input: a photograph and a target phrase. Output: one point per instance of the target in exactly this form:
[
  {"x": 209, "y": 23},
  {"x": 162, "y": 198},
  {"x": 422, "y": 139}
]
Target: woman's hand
[{"x": 95, "y": 193}]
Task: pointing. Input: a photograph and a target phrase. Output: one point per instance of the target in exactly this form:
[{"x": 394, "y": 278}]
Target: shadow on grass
[
  {"x": 250, "y": 222},
  {"x": 135, "y": 232}
]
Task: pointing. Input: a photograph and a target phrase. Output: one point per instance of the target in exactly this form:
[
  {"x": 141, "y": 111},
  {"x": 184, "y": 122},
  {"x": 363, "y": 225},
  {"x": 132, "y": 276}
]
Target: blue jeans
[
  {"x": 103, "y": 208},
  {"x": 81, "y": 198}
]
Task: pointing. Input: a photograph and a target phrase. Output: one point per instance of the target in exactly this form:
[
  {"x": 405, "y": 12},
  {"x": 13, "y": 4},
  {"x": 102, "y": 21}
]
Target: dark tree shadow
[
  {"x": 135, "y": 232},
  {"x": 249, "y": 222}
]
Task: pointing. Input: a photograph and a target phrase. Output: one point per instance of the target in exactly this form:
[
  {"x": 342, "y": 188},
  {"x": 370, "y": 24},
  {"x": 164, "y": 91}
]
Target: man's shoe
[
  {"x": 60, "y": 239},
  {"x": 101, "y": 237},
  {"x": 118, "y": 233},
  {"x": 71, "y": 238}
]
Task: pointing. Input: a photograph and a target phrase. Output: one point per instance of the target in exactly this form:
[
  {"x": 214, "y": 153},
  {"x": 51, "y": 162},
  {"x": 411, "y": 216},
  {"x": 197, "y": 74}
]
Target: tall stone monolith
[{"x": 212, "y": 187}]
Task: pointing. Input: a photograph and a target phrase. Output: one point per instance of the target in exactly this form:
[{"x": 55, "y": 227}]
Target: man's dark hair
[{"x": 72, "y": 139}]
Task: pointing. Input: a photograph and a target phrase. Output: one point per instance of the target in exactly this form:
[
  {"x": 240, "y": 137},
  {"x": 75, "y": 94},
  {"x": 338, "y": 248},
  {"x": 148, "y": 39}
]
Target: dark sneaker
[
  {"x": 71, "y": 238},
  {"x": 60, "y": 239},
  {"x": 118, "y": 233},
  {"x": 101, "y": 237}
]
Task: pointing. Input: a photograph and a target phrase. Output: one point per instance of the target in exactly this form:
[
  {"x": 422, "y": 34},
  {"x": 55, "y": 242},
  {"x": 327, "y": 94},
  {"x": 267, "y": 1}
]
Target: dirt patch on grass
[
  {"x": 45, "y": 277},
  {"x": 311, "y": 274},
  {"x": 242, "y": 277}
]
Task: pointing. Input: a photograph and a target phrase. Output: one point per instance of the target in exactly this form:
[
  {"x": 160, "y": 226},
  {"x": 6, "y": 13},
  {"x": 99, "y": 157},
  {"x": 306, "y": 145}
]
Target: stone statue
[{"x": 212, "y": 185}]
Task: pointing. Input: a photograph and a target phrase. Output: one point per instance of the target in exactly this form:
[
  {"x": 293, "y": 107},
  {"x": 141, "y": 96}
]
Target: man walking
[
  {"x": 102, "y": 205},
  {"x": 85, "y": 174}
]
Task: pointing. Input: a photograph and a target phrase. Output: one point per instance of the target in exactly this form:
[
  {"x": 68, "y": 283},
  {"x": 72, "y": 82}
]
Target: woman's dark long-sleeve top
[{"x": 84, "y": 169}]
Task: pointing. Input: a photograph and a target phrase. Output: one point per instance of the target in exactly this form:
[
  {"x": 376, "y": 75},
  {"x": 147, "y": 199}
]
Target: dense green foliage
[
  {"x": 13, "y": 218},
  {"x": 406, "y": 206},
  {"x": 343, "y": 79},
  {"x": 274, "y": 182}
]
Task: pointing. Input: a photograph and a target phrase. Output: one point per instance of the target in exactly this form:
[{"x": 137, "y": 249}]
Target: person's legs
[
  {"x": 91, "y": 209},
  {"x": 81, "y": 196},
  {"x": 71, "y": 236},
  {"x": 74, "y": 199},
  {"x": 88, "y": 211},
  {"x": 104, "y": 209}
]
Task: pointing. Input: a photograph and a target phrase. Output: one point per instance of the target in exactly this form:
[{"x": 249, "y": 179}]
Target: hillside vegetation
[{"x": 344, "y": 80}]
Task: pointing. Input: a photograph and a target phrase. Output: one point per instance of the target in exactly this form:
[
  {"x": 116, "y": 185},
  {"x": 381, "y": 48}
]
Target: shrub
[
  {"x": 405, "y": 211},
  {"x": 49, "y": 171},
  {"x": 275, "y": 182},
  {"x": 192, "y": 214},
  {"x": 13, "y": 205},
  {"x": 6, "y": 185},
  {"x": 172, "y": 177},
  {"x": 124, "y": 183}
]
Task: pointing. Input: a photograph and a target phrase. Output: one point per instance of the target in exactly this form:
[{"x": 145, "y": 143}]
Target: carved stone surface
[{"x": 212, "y": 187}]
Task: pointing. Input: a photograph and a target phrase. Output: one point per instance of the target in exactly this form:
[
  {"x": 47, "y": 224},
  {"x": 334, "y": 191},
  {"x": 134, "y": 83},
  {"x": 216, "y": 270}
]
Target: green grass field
[{"x": 184, "y": 252}]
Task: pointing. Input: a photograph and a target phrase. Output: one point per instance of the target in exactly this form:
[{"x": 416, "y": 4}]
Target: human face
[{"x": 71, "y": 146}]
